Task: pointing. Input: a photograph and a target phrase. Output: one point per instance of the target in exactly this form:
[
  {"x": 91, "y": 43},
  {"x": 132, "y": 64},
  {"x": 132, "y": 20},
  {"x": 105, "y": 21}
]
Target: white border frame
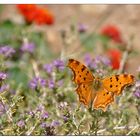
[{"x": 70, "y": 1}]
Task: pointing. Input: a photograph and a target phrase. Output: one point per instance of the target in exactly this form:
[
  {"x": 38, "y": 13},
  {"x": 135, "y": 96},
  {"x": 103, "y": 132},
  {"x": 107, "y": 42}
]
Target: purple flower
[
  {"x": 137, "y": 93},
  {"x": 21, "y": 123},
  {"x": 63, "y": 105},
  {"x": 48, "y": 68},
  {"x": 88, "y": 60},
  {"x": 45, "y": 115},
  {"x": 43, "y": 125},
  {"x": 3, "y": 76},
  {"x": 59, "y": 64},
  {"x": 106, "y": 61},
  {"x": 40, "y": 108},
  {"x": 31, "y": 113},
  {"x": 82, "y": 28},
  {"x": 37, "y": 81},
  {"x": 28, "y": 47},
  {"x": 55, "y": 123},
  {"x": 65, "y": 118},
  {"x": 51, "y": 84},
  {"x": 4, "y": 88},
  {"x": 7, "y": 51}
]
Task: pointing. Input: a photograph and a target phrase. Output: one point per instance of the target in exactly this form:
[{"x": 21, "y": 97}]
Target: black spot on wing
[
  {"x": 77, "y": 63},
  {"x": 125, "y": 75},
  {"x": 117, "y": 77},
  {"x": 83, "y": 68},
  {"x": 84, "y": 78},
  {"x": 132, "y": 76},
  {"x": 110, "y": 86}
]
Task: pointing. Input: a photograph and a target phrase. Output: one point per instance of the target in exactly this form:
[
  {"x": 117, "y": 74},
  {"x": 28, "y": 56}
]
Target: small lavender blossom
[
  {"x": 137, "y": 93},
  {"x": 55, "y": 123},
  {"x": 65, "y": 118},
  {"x": 63, "y": 105},
  {"x": 28, "y": 47},
  {"x": 82, "y": 28},
  {"x": 51, "y": 84},
  {"x": 59, "y": 64},
  {"x": 3, "y": 76},
  {"x": 37, "y": 81},
  {"x": 106, "y": 61},
  {"x": 31, "y": 113},
  {"x": 40, "y": 108},
  {"x": 43, "y": 125},
  {"x": 48, "y": 68},
  {"x": 7, "y": 51},
  {"x": 21, "y": 123},
  {"x": 45, "y": 115},
  {"x": 4, "y": 88},
  {"x": 88, "y": 60}
]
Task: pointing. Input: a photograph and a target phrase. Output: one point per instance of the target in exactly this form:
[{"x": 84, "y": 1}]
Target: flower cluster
[
  {"x": 112, "y": 32},
  {"x": 137, "y": 89},
  {"x": 51, "y": 68},
  {"x": 33, "y": 13},
  {"x": 3, "y": 76},
  {"x": 37, "y": 82},
  {"x": 28, "y": 47},
  {"x": 6, "y": 51},
  {"x": 56, "y": 64},
  {"x": 98, "y": 64}
]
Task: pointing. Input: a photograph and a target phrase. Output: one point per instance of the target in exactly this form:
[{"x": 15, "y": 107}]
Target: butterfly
[{"x": 98, "y": 93}]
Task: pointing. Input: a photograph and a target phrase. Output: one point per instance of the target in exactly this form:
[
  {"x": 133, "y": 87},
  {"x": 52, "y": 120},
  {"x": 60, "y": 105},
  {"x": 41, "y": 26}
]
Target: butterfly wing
[
  {"x": 103, "y": 99},
  {"x": 86, "y": 93},
  {"x": 80, "y": 71},
  {"x": 84, "y": 79},
  {"x": 117, "y": 83},
  {"x": 111, "y": 86}
]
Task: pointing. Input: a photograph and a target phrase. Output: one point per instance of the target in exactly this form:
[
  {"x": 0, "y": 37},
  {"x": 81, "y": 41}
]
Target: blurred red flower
[
  {"x": 112, "y": 32},
  {"x": 33, "y": 13},
  {"x": 115, "y": 57}
]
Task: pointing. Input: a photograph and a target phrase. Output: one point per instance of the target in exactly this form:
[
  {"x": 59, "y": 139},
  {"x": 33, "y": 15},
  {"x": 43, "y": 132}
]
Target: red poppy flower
[
  {"x": 112, "y": 32},
  {"x": 33, "y": 13},
  {"x": 115, "y": 57}
]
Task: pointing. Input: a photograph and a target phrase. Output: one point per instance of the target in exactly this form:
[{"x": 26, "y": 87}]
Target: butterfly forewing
[
  {"x": 84, "y": 79},
  {"x": 81, "y": 72},
  {"x": 116, "y": 83}
]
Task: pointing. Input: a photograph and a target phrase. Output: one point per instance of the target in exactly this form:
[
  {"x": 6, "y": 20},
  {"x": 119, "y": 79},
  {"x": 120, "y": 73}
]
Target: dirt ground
[{"x": 126, "y": 17}]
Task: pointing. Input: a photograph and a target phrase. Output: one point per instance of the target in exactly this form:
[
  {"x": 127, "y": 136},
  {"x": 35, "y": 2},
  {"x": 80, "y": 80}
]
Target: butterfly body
[{"x": 98, "y": 92}]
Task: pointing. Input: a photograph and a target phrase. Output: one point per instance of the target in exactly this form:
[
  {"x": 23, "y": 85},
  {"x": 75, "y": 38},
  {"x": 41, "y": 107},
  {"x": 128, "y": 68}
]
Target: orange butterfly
[{"x": 98, "y": 92}]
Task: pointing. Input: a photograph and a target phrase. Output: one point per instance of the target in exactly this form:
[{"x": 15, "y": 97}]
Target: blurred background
[
  {"x": 37, "y": 95},
  {"x": 92, "y": 18}
]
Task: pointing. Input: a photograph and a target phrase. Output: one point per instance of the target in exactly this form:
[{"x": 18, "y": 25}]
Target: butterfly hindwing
[
  {"x": 103, "y": 99},
  {"x": 86, "y": 93}
]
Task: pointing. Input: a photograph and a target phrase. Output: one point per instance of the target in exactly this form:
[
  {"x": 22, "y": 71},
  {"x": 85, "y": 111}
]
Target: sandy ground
[{"x": 126, "y": 17}]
